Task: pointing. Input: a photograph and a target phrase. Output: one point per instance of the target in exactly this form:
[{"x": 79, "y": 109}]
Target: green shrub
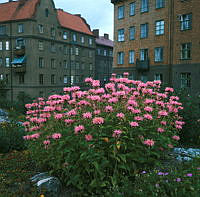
[
  {"x": 11, "y": 137},
  {"x": 190, "y": 134},
  {"x": 98, "y": 140}
]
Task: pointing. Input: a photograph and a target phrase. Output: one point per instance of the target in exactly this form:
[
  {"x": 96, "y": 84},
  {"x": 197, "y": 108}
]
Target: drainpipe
[
  {"x": 171, "y": 39},
  {"x": 11, "y": 70}
]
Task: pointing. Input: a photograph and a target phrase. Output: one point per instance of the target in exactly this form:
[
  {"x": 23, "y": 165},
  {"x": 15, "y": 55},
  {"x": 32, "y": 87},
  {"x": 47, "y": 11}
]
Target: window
[
  {"x": 82, "y": 39},
  {"x": 186, "y": 51},
  {"x": 53, "y": 47},
  {"x": 90, "y": 53},
  {"x": 76, "y": 51},
  {"x": 72, "y": 51},
  {"x": 120, "y": 58},
  {"x": 7, "y": 61},
  {"x": 40, "y": 45},
  {"x": 1, "y": 76},
  {"x": 46, "y": 12},
  {"x": 41, "y": 79},
  {"x": 132, "y": 33},
  {"x": 111, "y": 53},
  {"x": 158, "y": 77},
  {"x": 158, "y": 54},
  {"x": 105, "y": 52},
  {"x": 131, "y": 57},
  {"x": 52, "y": 79},
  {"x": 132, "y": 9},
  {"x": 65, "y": 64},
  {"x": 98, "y": 51},
  {"x": 41, "y": 62},
  {"x": 120, "y": 12},
  {"x": 144, "y": 6},
  {"x": 1, "y": 46},
  {"x": 90, "y": 41},
  {"x": 65, "y": 50},
  {"x": 77, "y": 66},
  {"x": 53, "y": 65},
  {"x": 74, "y": 37},
  {"x": 160, "y": 3},
  {"x": 65, "y": 35},
  {"x": 20, "y": 28},
  {"x": 144, "y": 30},
  {"x": 77, "y": 79},
  {"x": 121, "y": 35},
  {"x": 53, "y": 32},
  {"x": 1, "y": 61},
  {"x": 41, "y": 94},
  {"x": 20, "y": 42},
  {"x": 83, "y": 66},
  {"x": 91, "y": 67},
  {"x": 7, "y": 45},
  {"x": 41, "y": 29},
  {"x": 186, "y": 21},
  {"x": 185, "y": 80},
  {"x": 143, "y": 54},
  {"x": 21, "y": 78},
  {"x": 160, "y": 27},
  {"x": 2, "y": 29},
  {"x": 144, "y": 78},
  {"x": 65, "y": 79}
]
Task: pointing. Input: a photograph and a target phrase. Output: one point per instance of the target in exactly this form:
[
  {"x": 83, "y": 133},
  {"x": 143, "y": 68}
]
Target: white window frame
[
  {"x": 7, "y": 45},
  {"x": 1, "y": 45},
  {"x": 158, "y": 54},
  {"x": 132, "y": 9},
  {"x": 64, "y": 35},
  {"x": 120, "y": 13},
  {"x": 120, "y": 35},
  {"x": 185, "y": 80},
  {"x": 186, "y": 51},
  {"x": 7, "y": 62},
  {"x": 41, "y": 28},
  {"x": 120, "y": 57},
  {"x": 160, "y": 27},
  {"x": 131, "y": 57}
]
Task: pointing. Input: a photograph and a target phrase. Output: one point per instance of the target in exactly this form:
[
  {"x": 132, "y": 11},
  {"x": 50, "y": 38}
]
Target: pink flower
[
  {"x": 167, "y": 89},
  {"x": 149, "y": 142},
  {"x": 98, "y": 120},
  {"x": 58, "y": 116},
  {"x": 46, "y": 142},
  {"x": 96, "y": 112},
  {"x": 108, "y": 108},
  {"x": 175, "y": 137},
  {"x": 88, "y": 137},
  {"x": 162, "y": 113},
  {"x": 79, "y": 128},
  {"x": 148, "y": 109},
  {"x": 56, "y": 136},
  {"x": 161, "y": 130},
  {"x": 189, "y": 174},
  {"x": 138, "y": 118},
  {"x": 87, "y": 115},
  {"x": 116, "y": 133},
  {"x": 69, "y": 121},
  {"x": 134, "y": 124},
  {"x": 163, "y": 123},
  {"x": 120, "y": 115},
  {"x": 170, "y": 146},
  {"x": 148, "y": 116}
]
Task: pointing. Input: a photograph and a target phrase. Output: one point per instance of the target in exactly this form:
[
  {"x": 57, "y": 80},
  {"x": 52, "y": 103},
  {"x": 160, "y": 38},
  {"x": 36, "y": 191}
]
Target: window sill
[{"x": 186, "y": 59}]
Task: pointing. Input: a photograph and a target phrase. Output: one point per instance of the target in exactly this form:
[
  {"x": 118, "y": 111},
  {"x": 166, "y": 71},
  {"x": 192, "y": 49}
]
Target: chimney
[
  {"x": 96, "y": 33},
  {"x": 10, "y": 0},
  {"x": 79, "y": 15},
  {"x": 106, "y": 36}
]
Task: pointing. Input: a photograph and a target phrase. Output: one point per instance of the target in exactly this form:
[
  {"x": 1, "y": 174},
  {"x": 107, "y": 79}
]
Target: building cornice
[{"x": 116, "y": 1}]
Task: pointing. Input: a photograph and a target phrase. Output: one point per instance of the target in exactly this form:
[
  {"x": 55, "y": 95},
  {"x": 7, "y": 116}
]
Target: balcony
[
  {"x": 19, "y": 50},
  {"x": 19, "y": 64},
  {"x": 142, "y": 65}
]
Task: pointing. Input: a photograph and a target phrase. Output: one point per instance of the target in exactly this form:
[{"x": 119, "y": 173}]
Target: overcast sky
[{"x": 98, "y": 13}]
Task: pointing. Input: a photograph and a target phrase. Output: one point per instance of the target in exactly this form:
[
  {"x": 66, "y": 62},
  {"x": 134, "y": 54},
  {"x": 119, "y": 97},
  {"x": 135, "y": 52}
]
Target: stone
[{"x": 48, "y": 185}]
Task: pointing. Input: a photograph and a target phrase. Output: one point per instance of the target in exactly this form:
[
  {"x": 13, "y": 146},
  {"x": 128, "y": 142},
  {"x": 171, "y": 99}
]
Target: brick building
[
  {"x": 103, "y": 57},
  {"x": 158, "y": 39},
  {"x": 43, "y": 49}
]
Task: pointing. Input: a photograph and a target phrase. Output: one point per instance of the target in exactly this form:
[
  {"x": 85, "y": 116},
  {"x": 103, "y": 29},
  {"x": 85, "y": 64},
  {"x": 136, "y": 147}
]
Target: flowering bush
[{"x": 98, "y": 139}]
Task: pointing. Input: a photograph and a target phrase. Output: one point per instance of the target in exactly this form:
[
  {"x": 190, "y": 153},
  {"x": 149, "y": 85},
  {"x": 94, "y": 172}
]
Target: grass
[{"x": 15, "y": 170}]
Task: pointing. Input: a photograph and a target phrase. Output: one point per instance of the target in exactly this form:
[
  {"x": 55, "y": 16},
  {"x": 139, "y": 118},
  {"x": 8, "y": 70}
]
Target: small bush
[
  {"x": 190, "y": 134},
  {"x": 98, "y": 140},
  {"x": 11, "y": 137}
]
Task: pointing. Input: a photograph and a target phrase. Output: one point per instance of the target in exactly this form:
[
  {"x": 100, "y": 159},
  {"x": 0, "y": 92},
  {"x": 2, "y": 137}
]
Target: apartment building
[
  {"x": 103, "y": 57},
  {"x": 158, "y": 40},
  {"x": 43, "y": 49}
]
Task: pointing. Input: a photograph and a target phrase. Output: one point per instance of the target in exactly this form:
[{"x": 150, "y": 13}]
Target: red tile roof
[
  {"x": 74, "y": 22},
  {"x": 102, "y": 41},
  {"x": 13, "y": 11}
]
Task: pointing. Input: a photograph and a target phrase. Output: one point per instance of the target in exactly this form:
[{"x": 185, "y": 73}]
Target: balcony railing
[
  {"x": 142, "y": 65},
  {"x": 19, "y": 68},
  {"x": 19, "y": 50}
]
